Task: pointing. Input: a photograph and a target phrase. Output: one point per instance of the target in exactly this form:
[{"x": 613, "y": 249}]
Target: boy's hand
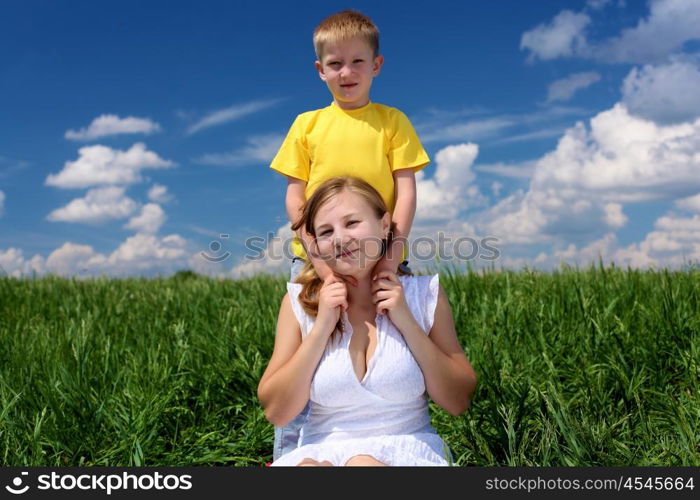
[
  {"x": 386, "y": 264},
  {"x": 388, "y": 297}
]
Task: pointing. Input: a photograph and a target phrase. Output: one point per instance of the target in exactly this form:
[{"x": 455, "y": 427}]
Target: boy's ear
[
  {"x": 377, "y": 65},
  {"x": 319, "y": 68}
]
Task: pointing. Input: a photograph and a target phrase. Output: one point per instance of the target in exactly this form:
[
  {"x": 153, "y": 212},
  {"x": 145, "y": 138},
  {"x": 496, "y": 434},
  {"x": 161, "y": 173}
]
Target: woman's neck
[{"x": 361, "y": 295}]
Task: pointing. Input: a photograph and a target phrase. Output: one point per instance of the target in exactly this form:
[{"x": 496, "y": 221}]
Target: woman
[{"x": 364, "y": 356}]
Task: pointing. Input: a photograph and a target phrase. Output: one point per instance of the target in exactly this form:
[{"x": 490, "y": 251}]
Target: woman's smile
[{"x": 346, "y": 254}]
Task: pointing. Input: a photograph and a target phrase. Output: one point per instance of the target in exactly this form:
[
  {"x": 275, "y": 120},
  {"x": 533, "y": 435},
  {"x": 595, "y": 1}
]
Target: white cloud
[
  {"x": 105, "y": 125},
  {"x": 260, "y": 149},
  {"x": 274, "y": 259},
  {"x": 99, "y": 205},
  {"x": 451, "y": 189},
  {"x": 544, "y": 133},
  {"x": 588, "y": 254},
  {"x": 149, "y": 220},
  {"x": 662, "y": 247},
  {"x": 679, "y": 225},
  {"x": 577, "y": 190},
  {"x": 197, "y": 263},
  {"x": 597, "y": 4},
  {"x": 564, "y": 36},
  {"x": 669, "y": 25},
  {"x": 581, "y": 256},
  {"x": 496, "y": 188},
  {"x": 159, "y": 194},
  {"x": 146, "y": 251},
  {"x": 468, "y": 131},
  {"x": 674, "y": 242},
  {"x": 13, "y": 263},
  {"x": 445, "y": 127},
  {"x": 666, "y": 93},
  {"x": 565, "y": 88},
  {"x": 10, "y": 166},
  {"x": 2, "y": 203},
  {"x": 542, "y": 217},
  {"x": 72, "y": 259},
  {"x": 104, "y": 165},
  {"x": 614, "y": 217},
  {"x": 522, "y": 170},
  {"x": 204, "y": 231},
  {"x": 633, "y": 257},
  {"x": 445, "y": 243},
  {"x": 624, "y": 158},
  {"x": 691, "y": 203},
  {"x": 138, "y": 254},
  {"x": 230, "y": 114}
]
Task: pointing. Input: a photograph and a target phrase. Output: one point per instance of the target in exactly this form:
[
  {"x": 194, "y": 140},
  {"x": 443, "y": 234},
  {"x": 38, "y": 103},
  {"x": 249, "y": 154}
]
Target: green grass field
[{"x": 593, "y": 367}]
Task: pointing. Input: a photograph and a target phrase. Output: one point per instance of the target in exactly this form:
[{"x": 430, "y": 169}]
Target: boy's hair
[{"x": 344, "y": 26}]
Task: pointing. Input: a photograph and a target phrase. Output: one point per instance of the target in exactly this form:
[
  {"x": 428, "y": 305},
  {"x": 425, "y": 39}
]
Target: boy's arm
[
  {"x": 294, "y": 202},
  {"x": 404, "y": 212}
]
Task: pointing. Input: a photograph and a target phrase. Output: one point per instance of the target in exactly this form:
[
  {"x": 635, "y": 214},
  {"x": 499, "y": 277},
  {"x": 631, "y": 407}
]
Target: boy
[{"x": 352, "y": 136}]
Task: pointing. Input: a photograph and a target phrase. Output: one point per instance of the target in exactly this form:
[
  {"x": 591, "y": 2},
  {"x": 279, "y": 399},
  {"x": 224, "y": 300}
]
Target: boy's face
[{"x": 348, "y": 68}]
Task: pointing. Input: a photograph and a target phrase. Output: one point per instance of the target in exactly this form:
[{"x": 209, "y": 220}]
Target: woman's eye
[
  {"x": 353, "y": 222},
  {"x": 323, "y": 233},
  {"x": 358, "y": 61}
]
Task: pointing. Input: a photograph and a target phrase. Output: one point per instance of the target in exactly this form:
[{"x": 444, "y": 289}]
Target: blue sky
[{"x": 135, "y": 134}]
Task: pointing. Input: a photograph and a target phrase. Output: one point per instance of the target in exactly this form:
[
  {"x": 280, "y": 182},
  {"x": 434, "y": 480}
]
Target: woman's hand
[
  {"x": 333, "y": 298},
  {"x": 388, "y": 297}
]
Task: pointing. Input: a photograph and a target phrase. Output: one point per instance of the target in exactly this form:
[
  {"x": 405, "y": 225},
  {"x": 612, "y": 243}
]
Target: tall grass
[{"x": 591, "y": 367}]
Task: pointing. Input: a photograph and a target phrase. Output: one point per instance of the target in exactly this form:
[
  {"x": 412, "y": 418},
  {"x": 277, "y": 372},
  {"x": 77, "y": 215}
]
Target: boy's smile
[{"x": 348, "y": 68}]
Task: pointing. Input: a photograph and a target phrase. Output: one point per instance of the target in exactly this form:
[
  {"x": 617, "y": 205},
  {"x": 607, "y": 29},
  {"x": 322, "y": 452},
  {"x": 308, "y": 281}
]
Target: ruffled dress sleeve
[
  {"x": 421, "y": 294},
  {"x": 305, "y": 321}
]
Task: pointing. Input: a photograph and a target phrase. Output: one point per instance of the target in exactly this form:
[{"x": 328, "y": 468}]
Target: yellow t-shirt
[{"x": 370, "y": 142}]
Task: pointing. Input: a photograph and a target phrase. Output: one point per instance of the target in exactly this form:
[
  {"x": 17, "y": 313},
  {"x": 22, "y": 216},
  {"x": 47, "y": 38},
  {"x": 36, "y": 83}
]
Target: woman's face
[{"x": 349, "y": 235}]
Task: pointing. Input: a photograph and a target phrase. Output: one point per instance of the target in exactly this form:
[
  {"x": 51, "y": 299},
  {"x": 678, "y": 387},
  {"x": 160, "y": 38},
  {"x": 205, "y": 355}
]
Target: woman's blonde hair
[
  {"x": 344, "y": 26},
  {"x": 308, "y": 278}
]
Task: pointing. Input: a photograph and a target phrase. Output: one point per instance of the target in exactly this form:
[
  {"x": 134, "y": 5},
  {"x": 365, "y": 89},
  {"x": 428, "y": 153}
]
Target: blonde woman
[{"x": 365, "y": 357}]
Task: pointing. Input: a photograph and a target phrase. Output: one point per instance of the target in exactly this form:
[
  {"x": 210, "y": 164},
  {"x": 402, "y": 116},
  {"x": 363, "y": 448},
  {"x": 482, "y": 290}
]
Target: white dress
[{"x": 386, "y": 414}]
